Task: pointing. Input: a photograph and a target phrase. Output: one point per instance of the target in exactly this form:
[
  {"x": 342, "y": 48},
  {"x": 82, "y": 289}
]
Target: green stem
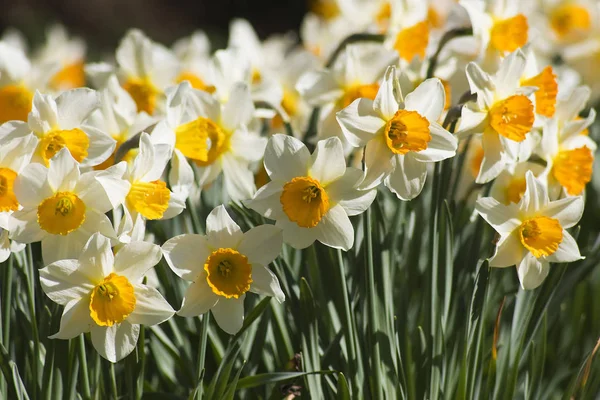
[
  {"x": 139, "y": 390},
  {"x": 113, "y": 381},
  {"x": 202, "y": 353},
  {"x": 30, "y": 274},
  {"x": 434, "y": 317},
  {"x": 7, "y": 300},
  {"x": 85, "y": 377},
  {"x": 373, "y": 326},
  {"x": 348, "y": 324}
]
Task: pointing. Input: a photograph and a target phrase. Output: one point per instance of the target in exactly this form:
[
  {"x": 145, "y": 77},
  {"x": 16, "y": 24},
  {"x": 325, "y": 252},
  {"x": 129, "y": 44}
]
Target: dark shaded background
[{"x": 103, "y": 22}]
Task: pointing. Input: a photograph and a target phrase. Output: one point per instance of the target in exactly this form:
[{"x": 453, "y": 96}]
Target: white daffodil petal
[
  {"x": 567, "y": 211},
  {"x": 493, "y": 163},
  {"x": 408, "y": 178},
  {"x": 229, "y": 314},
  {"x": 24, "y": 228},
  {"x": 239, "y": 109},
  {"x": 199, "y": 298},
  {"x": 471, "y": 122},
  {"x": 74, "y": 106},
  {"x": 296, "y": 236},
  {"x": 238, "y": 178},
  {"x": 359, "y": 122},
  {"x": 286, "y": 158},
  {"x": 221, "y": 230},
  {"x": 265, "y": 282},
  {"x": 427, "y": 99},
  {"x": 378, "y": 162},
  {"x": 75, "y": 319},
  {"x": 385, "y": 103},
  {"x": 441, "y": 146},
  {"x": 335, "y": 229},
  {"x": 568, "y": 250},
  {"x": 63, "y": 172},
  {"x": 509, "y": 73},
  {"x": 59, "y": 247},
  {"x": 63, "y": 282},
  {"x": 115, "y": 342},
  {"x": 97, "y": 259},
  {"x": 135, "y": 259},
  {"x": 509, "y": 251},
  {"x": 261, "y": 244},
  {"x": 186, "y": 254},
  {"x": 503, "y": 218},
  {"x": 328, "y": 162},
  {"x": 536, "y": 195},
  {"x": 151, "y": 308},
  {"x": 267, "y": 201},
  {"x": 532, "y": 272}
]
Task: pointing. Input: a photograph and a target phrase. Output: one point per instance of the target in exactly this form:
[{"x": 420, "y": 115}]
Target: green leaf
[{"x": 274, "y": 377}]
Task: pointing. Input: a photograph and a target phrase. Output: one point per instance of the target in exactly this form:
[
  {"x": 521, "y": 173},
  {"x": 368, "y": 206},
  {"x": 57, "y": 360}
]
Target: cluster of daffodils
[{"x": 304, "y": 132}]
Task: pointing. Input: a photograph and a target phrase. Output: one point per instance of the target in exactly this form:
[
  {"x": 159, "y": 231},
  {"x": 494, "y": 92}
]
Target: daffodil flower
[
  {"x": 61, "y": 123},
  {"x": 311, "y": 196},
  {"x": 62, "y": 207},
  {"x": 19, "y": 79},
  {"x": 103, "y": 294},
  {"x": 149, "y": 198},
  {"x": 511, "y": 184},
  {"x": 355, "y": 75},
  {"x": 533, "y": 233},
  {"x": 401, "y": 135},
  {"x": 215, "y": 136},
  {"x": 193, "y": 53},
  {"x": 223, "y": 266},
  {"x": 503, "y": 114},
  {"x": 566, "y": 146}
]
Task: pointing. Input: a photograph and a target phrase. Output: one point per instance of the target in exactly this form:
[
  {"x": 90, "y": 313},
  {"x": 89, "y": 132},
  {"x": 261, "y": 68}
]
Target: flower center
[
  {"x": 15, "y": 103},
  {"x": 412, "y": 41},
  {"x": 229, "y": 273},
  {"x": 512, "y": 117},
  {"x": 70, "y": 77},
  {"x": 112, "y": 300},
  {"x": 8, "y": 200},
  {"x": 304, "y": 201},
  {"x": 61, "y": 214},
  {"x": 73, "y": 139},
  {"x": 573, "y": 169},
  {"x": 191, "y": 138},
  {"x": 407, "y": 131},
  {"x": 515, "y": 190},
  {"x": 151, "y": 199},
  {"x": 545, "y": 97},
  {"x": 289, "y": 103},
  {"x": 541, "y": 235},
  {"x": 509, "y": 34},
  {"x": 570, "y": 19},
  {"x": 382, "y": 18},
  {"x": 143, "y": 92},
  {"x": 195, "y": 81},
  {"x": 326, "y": 9},
  {"x": 358, "y": 91}
]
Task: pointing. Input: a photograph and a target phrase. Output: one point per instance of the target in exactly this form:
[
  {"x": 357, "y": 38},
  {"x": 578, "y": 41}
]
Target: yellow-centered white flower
[
  {"x": 103, "y": 294},
  {"x": 355, "y": 75},
  {"x": 193, "y": 53},
  {"x": 216, "y": 137},
  {"x": 503, "y": 114},
  {"x": 401, "y": 134},
  {"x": 566, "y": 145},
  {"x": 311, "y": 196},
  {"x": 61, "y": 122},
  {"x": 533, "y": 233},
  {"x": 223, "y": 266},
  {"x": 19, "y": 80},
  {"x": 148, "y": 198},
  {"x": 62, "y": 208}
]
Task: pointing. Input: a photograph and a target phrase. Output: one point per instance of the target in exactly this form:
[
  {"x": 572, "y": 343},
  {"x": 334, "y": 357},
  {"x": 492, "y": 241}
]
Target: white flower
[
  {"x": 62, "y": 208},
  {"x": 533, "y": 232},
  {"x": 503, "y": 114},
  {"x": 223, "y": 266},
  {"x": 311, "y": 197},
  {"x": 118, "y": 117},
  {"x": 401, "y": 135},
  {"x": 511, "y": 184},
  {"x": 61, "y": 123},
  {"x": 19, "y": 80},
  {"x": 103, "y": 294},
  {"x": 148, "y": 196},
  {"x": 66, "y": 52},
  {"x": 144, "y": 68},
  {"x": 215, "y": 136},
  {"x": 193, "y": 53},
  {"x": 356, "y": 74},
  {"x": 566, "y": 146}
]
